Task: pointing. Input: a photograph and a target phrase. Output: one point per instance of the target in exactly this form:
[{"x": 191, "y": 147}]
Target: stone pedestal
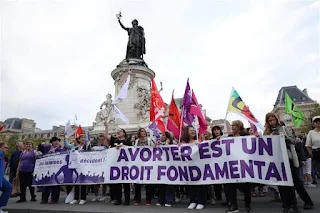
[{"x": 137, "y": 104}]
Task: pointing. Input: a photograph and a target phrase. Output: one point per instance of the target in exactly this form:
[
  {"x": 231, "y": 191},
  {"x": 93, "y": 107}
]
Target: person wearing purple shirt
[
  {"x": 25, "y": 170},
  {"x": 53, "y": 147}
]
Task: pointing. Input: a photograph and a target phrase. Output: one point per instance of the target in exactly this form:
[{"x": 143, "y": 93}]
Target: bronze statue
[{"x": 136, "y": 44}]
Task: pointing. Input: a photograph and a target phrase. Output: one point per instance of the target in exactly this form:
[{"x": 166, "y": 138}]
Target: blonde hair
[
  {"x": 239, "y": 124},
  {"x": 267, "y": 126}
]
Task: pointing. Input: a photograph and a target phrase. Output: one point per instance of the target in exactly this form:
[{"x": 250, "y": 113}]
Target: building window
[
  {"x": 23, "y": 136},
  {"x": 55, "y": 134},
  {"x": 48, "y": 135}
]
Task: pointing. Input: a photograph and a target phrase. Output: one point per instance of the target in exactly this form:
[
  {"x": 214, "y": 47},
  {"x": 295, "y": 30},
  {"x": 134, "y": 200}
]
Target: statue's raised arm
[{"x": 123, "y": 27}]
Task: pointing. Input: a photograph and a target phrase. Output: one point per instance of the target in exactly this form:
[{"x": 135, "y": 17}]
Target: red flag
[
  {"x": 157, "y": 107},
  {"x": 195, "y": 109},
  {"x": 174, "y": 119},
  {"x": 1, "y": 127},
  {"x": 78, "y": 132}
]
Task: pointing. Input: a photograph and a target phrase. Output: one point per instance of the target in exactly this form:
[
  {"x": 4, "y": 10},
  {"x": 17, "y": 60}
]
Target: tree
[
  {"x": 12, "y": 141},
  {"x": 310, "y": 114}
]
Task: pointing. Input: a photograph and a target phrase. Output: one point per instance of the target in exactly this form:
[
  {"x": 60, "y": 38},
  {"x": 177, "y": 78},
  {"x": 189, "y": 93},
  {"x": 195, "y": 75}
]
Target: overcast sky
[{"x": 57, "y": 55}]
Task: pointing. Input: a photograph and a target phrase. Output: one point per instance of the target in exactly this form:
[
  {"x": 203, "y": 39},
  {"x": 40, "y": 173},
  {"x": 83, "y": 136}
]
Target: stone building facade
[{"x": 302, "y": 100}]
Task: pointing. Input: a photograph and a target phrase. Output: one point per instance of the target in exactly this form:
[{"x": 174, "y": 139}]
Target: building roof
[
  {"x": 295, "y": 94},
  {"x": 13, "y": 123}
]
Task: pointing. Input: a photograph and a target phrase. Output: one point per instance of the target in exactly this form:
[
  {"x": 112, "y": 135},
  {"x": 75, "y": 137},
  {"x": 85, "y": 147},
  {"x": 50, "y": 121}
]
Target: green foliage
[
  {"x": 12, "y": 141},
  {"x": 313, "y": 112}
]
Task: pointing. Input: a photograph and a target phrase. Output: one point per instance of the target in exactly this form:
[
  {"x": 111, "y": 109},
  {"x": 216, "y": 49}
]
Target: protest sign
[{"x": 230, "y": 160}]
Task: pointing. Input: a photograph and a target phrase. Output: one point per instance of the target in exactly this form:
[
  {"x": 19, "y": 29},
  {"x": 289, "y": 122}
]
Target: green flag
[{"x": 294, "y": 111}]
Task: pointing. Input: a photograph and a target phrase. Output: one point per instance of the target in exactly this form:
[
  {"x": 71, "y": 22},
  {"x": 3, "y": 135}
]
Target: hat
[
  {"x": 54, "y": 139},
  {"x": 217, "y": 127},
  {"x": 315, "y": 118}
]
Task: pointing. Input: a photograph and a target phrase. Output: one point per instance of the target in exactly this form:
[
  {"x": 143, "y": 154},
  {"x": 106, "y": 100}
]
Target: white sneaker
[
  {"x": 158, "y": 204},
  {"x": 3, "y": 211},
  {"x": 192, "y": 206},
  {"x": 103, "y": 199},
  {"x": 200, "y": 206},
  {"x": 74, "y": 202},
  {"x": 167, "y": 205},
  {"x": 82, "y": 202},
  {"x": 311, "y": 185},
  {"x": 95, "y": 199}
]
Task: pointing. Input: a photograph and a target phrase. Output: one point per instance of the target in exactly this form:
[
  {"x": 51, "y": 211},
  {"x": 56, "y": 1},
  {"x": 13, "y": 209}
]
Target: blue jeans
[{"x": 6, "y": 192}]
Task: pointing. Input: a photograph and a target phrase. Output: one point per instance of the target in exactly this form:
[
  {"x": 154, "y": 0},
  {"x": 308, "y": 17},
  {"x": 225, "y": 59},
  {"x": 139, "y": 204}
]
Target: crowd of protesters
[{"x": 303, "y": 154}]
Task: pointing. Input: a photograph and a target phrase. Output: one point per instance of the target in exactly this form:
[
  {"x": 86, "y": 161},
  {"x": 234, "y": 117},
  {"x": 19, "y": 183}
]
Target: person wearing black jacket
[
  {"x": 231, "y": 188},
  {"x": 14, "y": 161},
  {"x": 298, "y": 184},
  {"x": 116, "y": 189}
]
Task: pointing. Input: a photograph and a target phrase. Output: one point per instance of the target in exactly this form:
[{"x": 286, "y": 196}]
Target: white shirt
[{"x": 313, "y": 139}]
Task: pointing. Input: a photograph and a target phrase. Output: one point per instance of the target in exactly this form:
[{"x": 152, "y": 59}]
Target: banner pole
[{"x": 181, "y": 120}]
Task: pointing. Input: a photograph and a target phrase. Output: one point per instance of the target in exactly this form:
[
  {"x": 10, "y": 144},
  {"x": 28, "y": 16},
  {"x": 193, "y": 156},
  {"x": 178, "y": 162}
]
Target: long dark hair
[
  {"x": 169, "y": 136},
  {"x": 185, "y": 135},
  {"x": 212, "y": 130}
]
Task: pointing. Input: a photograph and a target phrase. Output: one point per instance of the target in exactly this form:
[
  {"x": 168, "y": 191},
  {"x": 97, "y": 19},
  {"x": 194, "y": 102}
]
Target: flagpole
[
  {"x": 181, "y": 124},
  {"x": 225, "y": 118}
]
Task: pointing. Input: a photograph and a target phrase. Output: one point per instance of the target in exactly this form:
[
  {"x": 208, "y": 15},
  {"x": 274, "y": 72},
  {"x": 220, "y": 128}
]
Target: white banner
[{"x": 243, "y": 159}]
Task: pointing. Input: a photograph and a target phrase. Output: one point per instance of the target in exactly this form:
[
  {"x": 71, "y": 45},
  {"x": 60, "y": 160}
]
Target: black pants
[
  {"x": 245, "y": 188},
  {"x": 26, "y": 181},
  {"x": 12, "y": 175},
  {"x": 288, "y": 196},
  {"x": 80, "y": 190},
  {"x": 288, "y": 193},
  {"x": 298, "y": 185},
  {"x": 55, "y": 193},
  {"x": 113, "y": 189},
  {"x": 149, "y": 192},
  {"x": 197, "y": 194},
  {"x": 218, "y": 191},
  {"x": 162, "y": 193},
  {"x": 69, "y": 188},
  {"x": 118, "y": 191}
]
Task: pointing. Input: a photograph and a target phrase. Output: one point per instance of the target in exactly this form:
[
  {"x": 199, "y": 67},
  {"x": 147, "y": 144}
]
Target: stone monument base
[{"x": 137, "y": 104}]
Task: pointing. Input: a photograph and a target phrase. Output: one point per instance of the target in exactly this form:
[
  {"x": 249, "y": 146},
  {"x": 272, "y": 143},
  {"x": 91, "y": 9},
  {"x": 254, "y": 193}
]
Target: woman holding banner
[
  {"x": 166, "y": 192},
  {"x": 143, "y": 140},
  {"x": 53, "y": 147},
  {"x": 237, "y": 131},
  {"x": 197, "y": 193},
  {"x": 216, "y": 135},
  {"x": 80, "y": 191},
  {"x": 287, "y": 193},
  {"x": 116, "y": 189},
  {"x": 102, "y": 145}
]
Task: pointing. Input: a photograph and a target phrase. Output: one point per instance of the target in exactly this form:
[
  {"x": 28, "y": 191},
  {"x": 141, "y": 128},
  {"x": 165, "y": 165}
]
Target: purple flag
[
  {"x": 187, "y": 117},
  {"x": 155, "y": 131}
]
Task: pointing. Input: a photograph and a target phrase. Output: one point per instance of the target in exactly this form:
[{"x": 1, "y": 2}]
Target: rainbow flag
[{"x": 237, "y": 105}]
